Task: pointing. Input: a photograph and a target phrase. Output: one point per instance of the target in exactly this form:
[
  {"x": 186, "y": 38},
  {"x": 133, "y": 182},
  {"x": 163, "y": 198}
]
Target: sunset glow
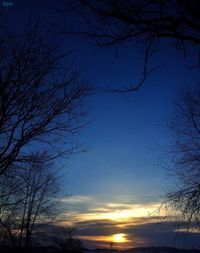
[
  {"x": 112, "y": 219},
  {"x": 118, "y": 241},
  {"x": 115, "y": 238},
  {"x": 118, "y": 213},
  {"x": 119, "y": 238}
]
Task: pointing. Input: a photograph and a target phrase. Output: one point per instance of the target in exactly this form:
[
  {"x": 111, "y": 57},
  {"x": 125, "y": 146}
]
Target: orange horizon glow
[
  {"x": 118, "y": 215},
  {"x": 119, "y": 240}
]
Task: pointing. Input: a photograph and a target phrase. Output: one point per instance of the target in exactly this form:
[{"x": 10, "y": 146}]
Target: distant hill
[
  {"x": 48, "y": 249},
  {"x": 145, "y": 250}
]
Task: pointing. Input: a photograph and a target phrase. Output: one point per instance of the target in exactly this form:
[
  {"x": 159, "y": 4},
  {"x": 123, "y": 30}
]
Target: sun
[{"x": 119, "y": 237}]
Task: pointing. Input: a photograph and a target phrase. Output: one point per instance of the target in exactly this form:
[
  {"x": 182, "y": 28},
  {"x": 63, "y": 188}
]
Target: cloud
[
  {"x": 151, "y": 233},
  {"x": 76, "y": 199},
  {"x": 89, "y": 211},
  {"x": 98, "y": 220},
  {"x": 192, "y": 230}
]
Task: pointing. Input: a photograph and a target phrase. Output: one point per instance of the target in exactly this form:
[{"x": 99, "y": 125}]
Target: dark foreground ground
[{"x": 133, "y": 250}]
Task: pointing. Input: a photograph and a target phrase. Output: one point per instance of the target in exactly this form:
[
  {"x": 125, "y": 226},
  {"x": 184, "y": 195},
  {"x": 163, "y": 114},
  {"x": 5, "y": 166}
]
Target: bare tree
[
  {"x": 119, "y": 21},
  {"x": 184, "y": 196},
  {"x": 69, "y": 243},
  {"x": 112, "y": 23},
  {"x": 41, "y": 97},
  {"x": 32, "y": 202}
]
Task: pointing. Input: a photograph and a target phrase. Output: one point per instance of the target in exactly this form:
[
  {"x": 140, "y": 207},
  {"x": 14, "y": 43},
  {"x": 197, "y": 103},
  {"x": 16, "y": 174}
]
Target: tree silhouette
[
  {"x": 69, "y": 243},
  {"x": 113, "y": 23},
  {"x": 184, "y": 195},
  {"x": 40, "y": 98},
  {"x": 28, "y": 198}
]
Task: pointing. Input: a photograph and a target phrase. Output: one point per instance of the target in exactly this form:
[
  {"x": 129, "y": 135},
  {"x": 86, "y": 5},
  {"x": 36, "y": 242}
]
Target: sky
[{"x": 118, "y": 184}]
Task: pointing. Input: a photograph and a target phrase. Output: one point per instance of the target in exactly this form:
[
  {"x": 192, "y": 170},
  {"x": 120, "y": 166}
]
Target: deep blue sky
[{"x": 126, "y": 135}]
